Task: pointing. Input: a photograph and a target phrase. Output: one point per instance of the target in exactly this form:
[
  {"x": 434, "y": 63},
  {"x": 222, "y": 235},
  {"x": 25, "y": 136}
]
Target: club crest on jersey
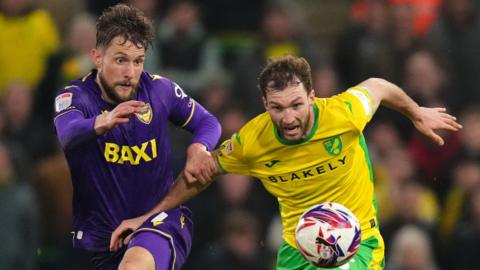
[
  {"x": 146, "y": 115},
  {"x": 333, "y": 145}
]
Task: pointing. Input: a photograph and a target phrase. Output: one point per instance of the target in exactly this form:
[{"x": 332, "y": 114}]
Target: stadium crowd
[{"x": 428, "y": 196}]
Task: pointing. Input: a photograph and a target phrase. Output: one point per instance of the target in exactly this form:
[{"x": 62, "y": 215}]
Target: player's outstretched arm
[
  {"x": 181, "y": 192},
  {"x": 426, "y": 120}
]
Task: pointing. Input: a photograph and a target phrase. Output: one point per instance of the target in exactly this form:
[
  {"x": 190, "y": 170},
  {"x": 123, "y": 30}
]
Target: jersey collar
[{"x": 302, "y": 140}]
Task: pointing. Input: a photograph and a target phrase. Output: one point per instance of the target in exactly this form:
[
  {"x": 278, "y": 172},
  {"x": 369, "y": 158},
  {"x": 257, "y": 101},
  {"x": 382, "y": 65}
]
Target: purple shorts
[{"x": 167, "y": 236}]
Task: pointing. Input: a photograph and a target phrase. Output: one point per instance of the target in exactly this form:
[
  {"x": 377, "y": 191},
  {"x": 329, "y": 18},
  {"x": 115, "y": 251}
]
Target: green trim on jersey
[
  {"x": 363, "y": 143},
  {"x": 349, "y": 105},
  {"x": 367, "y": 156},
  {"x": 302, "y": 140},
  {"x": 289, "y": 258},
  {"x": 237, "y": 137}
]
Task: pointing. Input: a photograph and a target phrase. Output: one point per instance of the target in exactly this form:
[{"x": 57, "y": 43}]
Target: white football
[{"x": 328, "y": 235}]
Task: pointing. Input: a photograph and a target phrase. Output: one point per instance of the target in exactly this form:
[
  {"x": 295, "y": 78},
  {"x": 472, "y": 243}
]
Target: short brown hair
[
  {"x": 282, "y": 72},
  {"x": 126, "y": 21}
]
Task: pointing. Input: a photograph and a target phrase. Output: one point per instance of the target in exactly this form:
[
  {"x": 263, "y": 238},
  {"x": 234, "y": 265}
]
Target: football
[{"x": 328, "y": 235}]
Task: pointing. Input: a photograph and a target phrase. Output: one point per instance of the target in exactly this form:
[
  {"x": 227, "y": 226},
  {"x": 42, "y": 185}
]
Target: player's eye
[
  {"x": 138, "y": 61},
  {"x": 297, "y": 106},
  {"x": 120, "y": 60}
]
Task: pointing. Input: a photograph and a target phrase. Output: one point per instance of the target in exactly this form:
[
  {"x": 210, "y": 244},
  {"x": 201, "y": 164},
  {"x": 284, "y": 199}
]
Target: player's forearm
[
  {"x": 205, "y": 128},
  {"x": 390, "y": 95},
  {"x": 180, "y": 193},
  {"x": 73, "y": 129}
]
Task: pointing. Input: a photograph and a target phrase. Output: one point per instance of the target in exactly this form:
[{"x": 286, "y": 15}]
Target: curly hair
[
  {"x": 126, "y": 21},
  {"x": 279, "y": 73}
]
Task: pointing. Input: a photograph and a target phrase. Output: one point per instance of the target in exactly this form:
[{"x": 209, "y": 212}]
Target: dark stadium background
[{"x": 429, "y": 197}]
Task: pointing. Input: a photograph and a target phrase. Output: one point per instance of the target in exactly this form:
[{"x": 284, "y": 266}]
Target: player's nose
[
  {"x": 288, "y": 117},
  {"x": 129, "y": 70}
]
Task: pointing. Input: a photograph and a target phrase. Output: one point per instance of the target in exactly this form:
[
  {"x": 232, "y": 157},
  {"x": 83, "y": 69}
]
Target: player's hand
[
  {"x": 123, "y": 233},
  {"x": 200, "y": 164},
  {"x": 428, "y": 120},
  {"x": 119, "y": 115}
]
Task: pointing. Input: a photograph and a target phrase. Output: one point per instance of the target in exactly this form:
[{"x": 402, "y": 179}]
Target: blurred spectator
[
  {"x": 470, "y": 134},
  {"x": 434, "y": 162},
  {"x": 362, "y": 49},
  {"x": 274, "y": 235},
  {"x": 425, "y": 79},
  {"x": 411, "y": 249},
  {"x": 216, "y": 97},
  {"x": 383, "y": 139},
  {"x": 281, "y": 34},
  {"x": 378, "y": 46},
  {"x": 465, "y": 178},
  {"x": 183, "y": 51},
  {"x": 71, "y": 62},
  {"x": 402, "y": 39},
  {"x": 80, "y": 41},
  {"x": 427, "y": 82},
  {"x": 233, "y": 23},
  {"x": 19, "y": 218},
  {"x": 425, "y": 12},
  {"x": 22, "y": 126},
  {"x": 229, "y": 192},
  {"x": 463, "y": 250},
  {"x": 238, "y": 248},
  {"x": 402, "y": 198},
  {"x": 457, "y": 37},
  {"x": 28, "y": 38},
  {"x": 325, "y": 82},
  {"x": 232, "y": 119},
  {"x": 151, "y": 8},
  {"x": 54, "y": 190}
]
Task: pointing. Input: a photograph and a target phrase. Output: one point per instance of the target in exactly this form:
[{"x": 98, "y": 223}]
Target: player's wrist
[
  {"x": 100, "y": 125},
  {"x": 196, "y": 146}
]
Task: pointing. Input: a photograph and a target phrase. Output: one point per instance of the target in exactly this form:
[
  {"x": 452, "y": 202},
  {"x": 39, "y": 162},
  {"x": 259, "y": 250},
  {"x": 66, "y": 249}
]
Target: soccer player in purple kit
[{"x": 112, "y": 126}]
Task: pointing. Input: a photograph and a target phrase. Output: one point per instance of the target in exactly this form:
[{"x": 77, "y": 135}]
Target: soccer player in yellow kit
[{"x": 309, "y": 150}]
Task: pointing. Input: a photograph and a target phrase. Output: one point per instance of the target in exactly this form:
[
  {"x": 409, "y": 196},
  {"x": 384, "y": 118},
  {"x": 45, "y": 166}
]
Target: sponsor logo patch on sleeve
[{"x": 63, "y": 101}]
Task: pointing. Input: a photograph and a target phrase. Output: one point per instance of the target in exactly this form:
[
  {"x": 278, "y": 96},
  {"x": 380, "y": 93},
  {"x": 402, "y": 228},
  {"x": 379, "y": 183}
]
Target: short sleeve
[
  {"x": 230, "y": 158},
  {"x": 360, "y": 105}
]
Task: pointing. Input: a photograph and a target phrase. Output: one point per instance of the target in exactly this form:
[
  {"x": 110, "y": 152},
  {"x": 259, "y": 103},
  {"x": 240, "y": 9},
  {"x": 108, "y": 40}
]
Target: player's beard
[
  {"x": 303, "y": 125},
  {"x": 110, "y": 90}
]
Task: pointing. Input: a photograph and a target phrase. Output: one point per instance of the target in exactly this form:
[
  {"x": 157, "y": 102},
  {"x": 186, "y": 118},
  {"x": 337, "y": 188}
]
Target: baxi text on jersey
[
  {"x": 310, "y": 172},
  {"x": 120, "y": 154}
]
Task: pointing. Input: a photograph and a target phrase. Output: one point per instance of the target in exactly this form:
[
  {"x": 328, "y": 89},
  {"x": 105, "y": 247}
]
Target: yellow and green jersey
[{"x": 330, "y": 164}]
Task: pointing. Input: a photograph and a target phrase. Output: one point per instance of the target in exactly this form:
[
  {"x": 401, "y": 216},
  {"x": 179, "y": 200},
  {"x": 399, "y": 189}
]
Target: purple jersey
[{"x": 125, "y": 172}]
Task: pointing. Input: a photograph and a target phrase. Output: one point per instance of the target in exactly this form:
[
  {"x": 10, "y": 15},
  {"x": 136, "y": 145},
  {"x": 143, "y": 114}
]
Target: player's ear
[
  {"x": 311, "y": 96},
  {"x": 264, "y": 99},
  {"x": 96, "y": 56}
]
